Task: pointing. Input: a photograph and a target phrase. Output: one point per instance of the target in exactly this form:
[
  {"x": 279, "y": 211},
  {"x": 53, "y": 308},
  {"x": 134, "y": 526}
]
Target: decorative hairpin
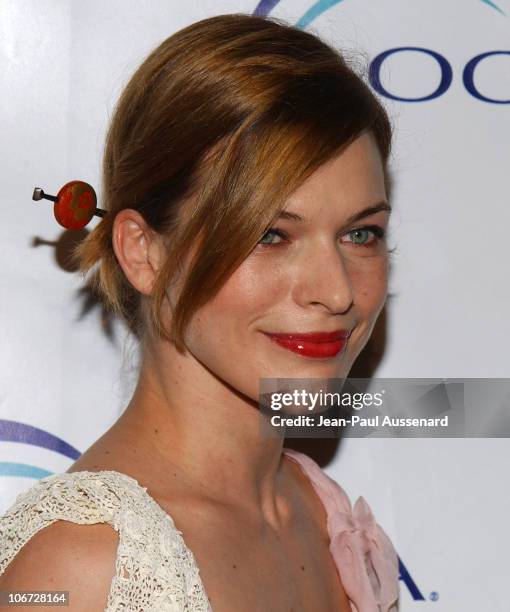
[{"x": 75, "y": 204}]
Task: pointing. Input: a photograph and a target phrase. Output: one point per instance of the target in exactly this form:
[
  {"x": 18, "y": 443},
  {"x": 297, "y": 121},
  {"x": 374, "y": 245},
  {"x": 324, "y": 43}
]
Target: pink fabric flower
[{"x": 364, "y": 555}]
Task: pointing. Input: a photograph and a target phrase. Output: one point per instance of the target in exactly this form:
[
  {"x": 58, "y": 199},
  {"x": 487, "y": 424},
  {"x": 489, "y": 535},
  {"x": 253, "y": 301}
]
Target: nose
[{"x": 324, "y": 280}]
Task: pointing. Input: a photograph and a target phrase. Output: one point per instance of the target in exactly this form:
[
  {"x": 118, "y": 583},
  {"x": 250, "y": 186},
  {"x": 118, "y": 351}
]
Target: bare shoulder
[{"x": 66, "y": 556}]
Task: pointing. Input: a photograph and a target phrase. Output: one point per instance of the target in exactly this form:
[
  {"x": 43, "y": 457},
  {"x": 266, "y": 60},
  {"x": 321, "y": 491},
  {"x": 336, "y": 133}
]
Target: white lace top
[{"x": 156, "y": 571}]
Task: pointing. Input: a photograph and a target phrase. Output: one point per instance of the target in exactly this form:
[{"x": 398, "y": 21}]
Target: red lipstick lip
[
  {"x": 334, "y": 336},
  {"x": 312, "y": 344}
]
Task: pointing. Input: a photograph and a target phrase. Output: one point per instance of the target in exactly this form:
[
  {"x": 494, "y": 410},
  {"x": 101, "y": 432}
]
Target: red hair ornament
[{"x": 75, "y": 204}]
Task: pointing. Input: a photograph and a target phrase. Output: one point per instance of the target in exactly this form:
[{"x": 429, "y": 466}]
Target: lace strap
[
  {"x": 154, "y": 570},
  {"x": 59, "y": 496}
]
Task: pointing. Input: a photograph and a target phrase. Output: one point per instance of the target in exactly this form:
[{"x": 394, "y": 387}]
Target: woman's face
[{"x": 321, "y": 274}]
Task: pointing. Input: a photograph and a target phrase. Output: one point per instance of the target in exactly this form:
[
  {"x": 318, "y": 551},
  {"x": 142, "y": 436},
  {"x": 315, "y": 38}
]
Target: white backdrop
[{"x": 444, "y": 502}]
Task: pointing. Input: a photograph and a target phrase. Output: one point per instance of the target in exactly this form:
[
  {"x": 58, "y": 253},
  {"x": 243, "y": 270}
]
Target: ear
[{"x": 138, "y": 248}]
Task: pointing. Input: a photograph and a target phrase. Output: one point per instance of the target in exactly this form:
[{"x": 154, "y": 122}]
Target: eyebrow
[{"x": 370, "y": 210}]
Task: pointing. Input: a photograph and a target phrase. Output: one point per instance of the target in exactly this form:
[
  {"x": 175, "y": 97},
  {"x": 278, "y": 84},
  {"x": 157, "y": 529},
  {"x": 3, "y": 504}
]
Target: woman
[{"x": 244, "y": 180}]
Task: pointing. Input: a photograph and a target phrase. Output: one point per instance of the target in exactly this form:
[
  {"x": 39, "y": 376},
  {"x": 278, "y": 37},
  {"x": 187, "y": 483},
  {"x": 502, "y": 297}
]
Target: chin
[{"x": 314, "y": 369}]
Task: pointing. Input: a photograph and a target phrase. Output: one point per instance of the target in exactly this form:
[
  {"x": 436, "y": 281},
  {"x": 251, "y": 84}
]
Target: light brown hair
[{"x": 230, "y": 114}]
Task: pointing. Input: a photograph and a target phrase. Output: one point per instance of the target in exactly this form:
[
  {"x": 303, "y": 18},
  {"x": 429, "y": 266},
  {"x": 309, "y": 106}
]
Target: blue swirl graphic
[
  {"x": 489, "y": 3},
  {"x": 264, "y": 7},
  {"x": 14, "y": 431},
  {"x": 315, "y": 10},
  {"x": 8, "y": 468}
]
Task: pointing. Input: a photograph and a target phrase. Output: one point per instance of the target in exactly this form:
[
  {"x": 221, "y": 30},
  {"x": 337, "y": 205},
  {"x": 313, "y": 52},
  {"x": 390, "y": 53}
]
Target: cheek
[
  {"x": 252, "y": 289},
  {"x": 370, "y": 286},
  {"x": 225, "y": 327},
  {"x": 254, "y": 286},
  {"x": 369, "y": 281}
]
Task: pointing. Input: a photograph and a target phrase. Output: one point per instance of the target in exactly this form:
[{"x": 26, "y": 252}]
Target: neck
[{"x": 185, "y": 421}]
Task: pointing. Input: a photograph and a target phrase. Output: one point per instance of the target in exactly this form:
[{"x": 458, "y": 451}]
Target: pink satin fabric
[{"x": 364, "y": 555}]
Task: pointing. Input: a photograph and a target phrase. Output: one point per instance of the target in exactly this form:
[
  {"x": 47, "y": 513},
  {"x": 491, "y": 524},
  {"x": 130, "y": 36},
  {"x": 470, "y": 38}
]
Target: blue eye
[
  {"x": 361, "y": 232},
  {"x": 360, "y": 236},
  {"x": 270, "y": 231}
]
